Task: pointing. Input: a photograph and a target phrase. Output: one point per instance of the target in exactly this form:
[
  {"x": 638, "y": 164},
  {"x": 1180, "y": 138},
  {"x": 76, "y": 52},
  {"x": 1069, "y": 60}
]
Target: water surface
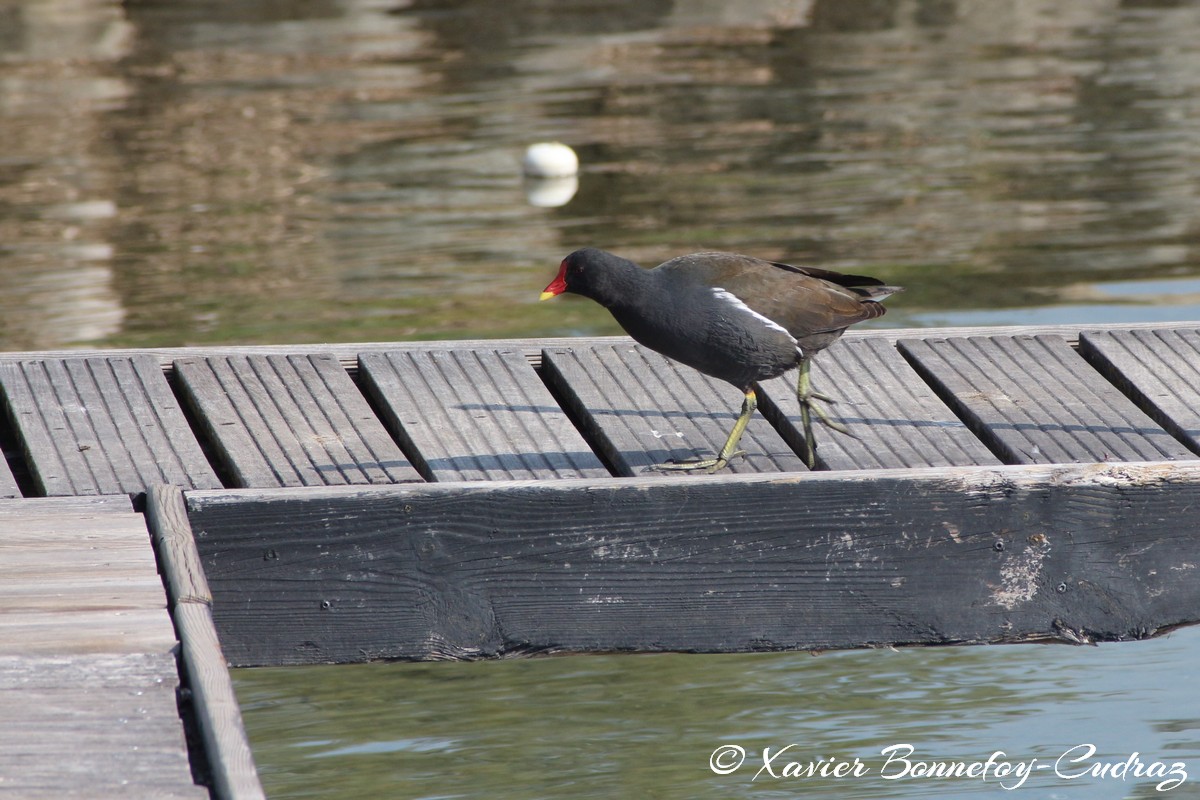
[
  {"x": 646, "y": 726},
  {"x": 333, "y": 170}
]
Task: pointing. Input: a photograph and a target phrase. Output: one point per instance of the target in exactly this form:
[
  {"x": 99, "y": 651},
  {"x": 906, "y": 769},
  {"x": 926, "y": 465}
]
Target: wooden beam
[
  {"x": 218, "y": 715},
  {"x": 8, "y": 482},
  {"x": 707, "y": 564}
]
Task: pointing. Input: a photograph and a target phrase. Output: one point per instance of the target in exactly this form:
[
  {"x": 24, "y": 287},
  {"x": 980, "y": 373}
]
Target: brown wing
[{"x": 801, "y": 299}]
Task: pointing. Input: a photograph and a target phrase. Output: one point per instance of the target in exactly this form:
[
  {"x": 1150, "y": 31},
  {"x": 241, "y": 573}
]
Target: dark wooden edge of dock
[
  {"x": 215, "y": 707},
  {"x": 348, "y": 352},
  {"x": 811, "y": 561}
]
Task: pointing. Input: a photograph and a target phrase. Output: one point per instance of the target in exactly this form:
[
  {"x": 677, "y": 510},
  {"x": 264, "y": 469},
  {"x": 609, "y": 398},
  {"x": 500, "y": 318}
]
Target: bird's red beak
[{"x": 558, "y": 285}]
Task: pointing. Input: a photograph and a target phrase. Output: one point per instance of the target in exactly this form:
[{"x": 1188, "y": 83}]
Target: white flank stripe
[{"x": 730, "y": 297}]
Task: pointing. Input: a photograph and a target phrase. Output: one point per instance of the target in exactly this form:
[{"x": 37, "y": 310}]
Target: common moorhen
[{"x": 734, "y": 317}]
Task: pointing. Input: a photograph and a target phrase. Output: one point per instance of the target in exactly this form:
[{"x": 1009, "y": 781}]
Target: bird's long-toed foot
[
  {"x": 809, "y": 406},
  {"x": 729, "y": 451},
  {"x": 709, "y": 465},
  {"x": 822, "y": 414}
]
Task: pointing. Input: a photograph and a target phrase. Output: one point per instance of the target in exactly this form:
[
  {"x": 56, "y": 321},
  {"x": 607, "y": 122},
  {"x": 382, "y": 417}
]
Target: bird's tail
[{"x": 875, "y": 294}]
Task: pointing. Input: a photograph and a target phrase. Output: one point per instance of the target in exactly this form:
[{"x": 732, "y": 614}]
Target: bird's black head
[{"x": 586, "y": 272}]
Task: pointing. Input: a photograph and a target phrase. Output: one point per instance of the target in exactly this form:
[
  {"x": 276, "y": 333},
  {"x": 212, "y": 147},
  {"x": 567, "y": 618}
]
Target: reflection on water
[
  {"x": 349, "y": 169},
  {"x": 56, "y": 257},
  {"x": 645, "y": 726}
]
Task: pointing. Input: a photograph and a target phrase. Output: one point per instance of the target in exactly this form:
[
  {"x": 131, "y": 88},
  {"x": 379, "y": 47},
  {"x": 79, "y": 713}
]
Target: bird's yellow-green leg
[
  {"x": 730, "y": 449},
  {"x": 810, "y": 452},
  {"x": 807, "y": 398}
]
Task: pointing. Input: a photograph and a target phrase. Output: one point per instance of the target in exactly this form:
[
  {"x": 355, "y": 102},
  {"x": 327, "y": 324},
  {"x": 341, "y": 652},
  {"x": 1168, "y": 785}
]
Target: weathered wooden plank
[
  {"x": 730, "y": 563},
  {"x": 290, "y": 420},
  {"x": 480, "y": 414},
  {"x": 1159, "y": 369},
  {"x": 95, "y": 725},
  {"x": 22, "y": 384},
  {"x": 101, "y": 426},
  {"x": 88, "y": 672},
  {"x": 152, "y": 424},
  {"x": 896, "y": 418},
  {"x": 166, "y": 517},
  {"x": 215, "y": 705},
  {"x": 642, "y": 409},
  {"x": 1034, "y": 400},
  {"x": 226, "y": 745},
  {"x": 39, "y": 513},
  {"x": 84, "y": 631},
  {"x": 77, "y": 576},
  {"x": 43, "y": 422}
]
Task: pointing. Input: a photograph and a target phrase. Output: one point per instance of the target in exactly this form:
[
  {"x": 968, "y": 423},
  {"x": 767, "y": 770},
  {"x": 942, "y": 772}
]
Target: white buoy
[{"x": 550, "y": 160}]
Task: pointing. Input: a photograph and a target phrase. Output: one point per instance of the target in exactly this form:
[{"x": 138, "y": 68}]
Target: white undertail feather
[{"x": 881, "y": 293}]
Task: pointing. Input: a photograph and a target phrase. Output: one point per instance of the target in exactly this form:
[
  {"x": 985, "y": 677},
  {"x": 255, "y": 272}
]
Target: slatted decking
[
  {"x": 1034, "y": 400},
  {"x": 106, "y": 425},
  {"x": 476, "y": 415},
  {"x": 256, "y": 418},
  {"x": 642, "y": 409},
  {"x": 897, "y": 419},
  {"x": 1159, "y": 369},
  {"x": 290, "y": 420}
]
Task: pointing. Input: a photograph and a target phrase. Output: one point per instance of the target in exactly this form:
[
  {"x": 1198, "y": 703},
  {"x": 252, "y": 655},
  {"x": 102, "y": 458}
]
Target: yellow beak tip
[{"x": 547, "y": 295}]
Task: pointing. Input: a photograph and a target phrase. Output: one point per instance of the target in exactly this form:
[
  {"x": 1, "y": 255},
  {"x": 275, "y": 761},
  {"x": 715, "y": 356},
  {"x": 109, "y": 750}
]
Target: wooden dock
[
  {"x": 475, "y": 499},
  {"x": 91, "y": 689}
]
